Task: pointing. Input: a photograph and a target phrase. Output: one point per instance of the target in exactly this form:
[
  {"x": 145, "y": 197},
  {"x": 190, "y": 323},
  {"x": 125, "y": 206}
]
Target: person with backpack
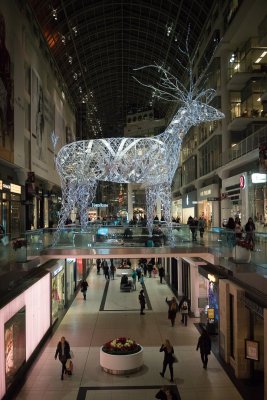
[
  {"x": 183, "y": 307},
  {"x": 173, "y": 308}
]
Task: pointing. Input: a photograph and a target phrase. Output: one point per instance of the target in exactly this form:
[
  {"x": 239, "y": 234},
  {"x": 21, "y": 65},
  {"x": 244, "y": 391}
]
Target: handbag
[{"x": 174, "y": 359}]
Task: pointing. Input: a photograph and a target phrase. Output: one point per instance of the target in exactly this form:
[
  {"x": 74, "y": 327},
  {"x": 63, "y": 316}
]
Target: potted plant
[
  {"x": 242, "y": 251},
  {"x": 20, "y": 247},
  {"x": 121, "y": 356}
]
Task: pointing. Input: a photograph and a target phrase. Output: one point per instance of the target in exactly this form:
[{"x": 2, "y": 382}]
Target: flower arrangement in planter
[
  {"x": 121, "y": 346},
  {"x": 245, "y": 244},
  {"x": 19, "y": 243}
]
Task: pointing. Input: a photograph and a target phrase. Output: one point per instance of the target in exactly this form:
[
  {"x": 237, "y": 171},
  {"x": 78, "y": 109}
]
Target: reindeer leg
[
  {"x": 85, "y": 195},
  {"x": 68, "y": 202},
  {"x": 165, "y": 197},
  {"x": 151, "y": 199}
]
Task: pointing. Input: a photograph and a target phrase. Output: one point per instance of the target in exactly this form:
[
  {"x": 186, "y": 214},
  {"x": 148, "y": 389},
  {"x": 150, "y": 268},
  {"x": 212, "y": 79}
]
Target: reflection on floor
[{"x": 86, "y": 329}]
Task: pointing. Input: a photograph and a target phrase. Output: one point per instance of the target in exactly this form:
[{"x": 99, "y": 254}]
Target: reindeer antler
[{"x": 170, "y": 88}]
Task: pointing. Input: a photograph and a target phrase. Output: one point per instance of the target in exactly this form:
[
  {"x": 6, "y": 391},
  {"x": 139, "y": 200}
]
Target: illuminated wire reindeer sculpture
[{"x": 148, "y": 161}]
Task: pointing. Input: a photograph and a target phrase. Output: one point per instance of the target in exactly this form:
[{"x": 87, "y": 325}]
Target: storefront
[
  {"x": 58, "y": 291},
  {"x": 235, "y": 202},
  {"x": 10, "y": 208},
  {"x": 71, "y": 278},
  {"x": 177, "y": 207},
  {"x": 208, "y": 203},
  {"x": 189, "y": 207},
  {"x": 208, "y": 300},
  {"x": 257, "y": 192}
]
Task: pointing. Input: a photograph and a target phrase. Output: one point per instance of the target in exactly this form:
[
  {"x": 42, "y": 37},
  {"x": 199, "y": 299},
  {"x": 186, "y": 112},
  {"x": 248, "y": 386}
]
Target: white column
[
  {"x": 130, "y": 202},
  {"x": 194, "y": 289},
  {"x": 180, "y": 277},
  {"x": 159, "y": 208}
]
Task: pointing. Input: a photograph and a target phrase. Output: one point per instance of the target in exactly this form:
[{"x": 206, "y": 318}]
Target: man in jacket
[{"x": 142, "y": 302}]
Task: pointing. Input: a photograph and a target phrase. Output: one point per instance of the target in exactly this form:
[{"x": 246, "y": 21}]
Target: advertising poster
[
  {"x": 15, "y": 345},
  {"x": 6, "y": 98}
]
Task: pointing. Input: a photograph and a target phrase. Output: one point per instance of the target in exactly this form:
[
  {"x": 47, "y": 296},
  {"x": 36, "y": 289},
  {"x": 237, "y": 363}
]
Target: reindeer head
[{"x": 196, "y": 112}]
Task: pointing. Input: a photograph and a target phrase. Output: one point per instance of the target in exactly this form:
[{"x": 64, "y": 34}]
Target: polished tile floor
[{"x": 86, "y": 328}]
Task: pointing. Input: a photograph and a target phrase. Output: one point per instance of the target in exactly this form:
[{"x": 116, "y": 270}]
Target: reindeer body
[{"x": 121, "y": 160}]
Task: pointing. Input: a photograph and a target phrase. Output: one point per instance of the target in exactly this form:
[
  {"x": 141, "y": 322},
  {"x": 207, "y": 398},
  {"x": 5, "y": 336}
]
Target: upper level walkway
[{"x": 106, "y": 314}]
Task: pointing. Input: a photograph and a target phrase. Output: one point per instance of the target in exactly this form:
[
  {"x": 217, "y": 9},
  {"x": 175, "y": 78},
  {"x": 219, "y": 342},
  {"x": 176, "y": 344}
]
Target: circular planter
[
  {"x": 241, "y": 254},
  {"x": 125, "y": 271},
  {"x": 121, "y": 364}
]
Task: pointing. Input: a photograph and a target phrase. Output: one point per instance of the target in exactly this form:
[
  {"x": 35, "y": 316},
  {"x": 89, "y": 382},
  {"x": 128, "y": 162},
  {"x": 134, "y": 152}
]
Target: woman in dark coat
[
  {"x": 205, "y": 346},
  {"x": 173, "y": 308},
  {"x": 63, "y": 352},
  {"x": 142, "y": 302},
  {"x": 168, "y": 358}
]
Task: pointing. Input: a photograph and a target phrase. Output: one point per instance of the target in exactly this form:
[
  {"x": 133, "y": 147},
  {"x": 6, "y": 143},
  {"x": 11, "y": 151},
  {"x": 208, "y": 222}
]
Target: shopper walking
[
  {"x": 134, "y": 275},
  {"x": 204, "y": 344},
  {"x": 98, "y": 265},
  {"x": 230, "y": 234},
  {"x": 150, "y": 269},
  {"x": 168, "y": 358},
  {"x": 112, "y": 269},
  {"x": 63, "y": 352},
  {"x": 238, "y": 228},
  {"x": 183, "y": 307},
  {"x": 201, "y": 226},
  {"x": 142, "y": 302},
  {"x": 161, "y": 273},
  {"x": 173, "y": 308},
  {"x": 250, "y": 231},
  {"x": 166, "y": 393},
  {"x": 84, "y": 286},
  {"x": 142, "y": 280},
  {"x": 139, "y": 271},
  {"x": 106, "y": 270}
]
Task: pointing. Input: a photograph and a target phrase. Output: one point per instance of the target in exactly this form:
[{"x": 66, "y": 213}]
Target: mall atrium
[{"x": 133, "y": 199}]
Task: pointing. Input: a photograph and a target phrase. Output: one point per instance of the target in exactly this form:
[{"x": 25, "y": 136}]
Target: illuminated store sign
[
  {"x": 211, "y": 278},
  {"x": 96, "y": 205},
  {"x": 259, "y": 178},
  {"x": 1, "y": 185},
  {"x": 242, "y": 182},
  {"x": 205, "y": 193},
  {"x": 15, "y": 188},
  {"x": 6, "y": 186}
]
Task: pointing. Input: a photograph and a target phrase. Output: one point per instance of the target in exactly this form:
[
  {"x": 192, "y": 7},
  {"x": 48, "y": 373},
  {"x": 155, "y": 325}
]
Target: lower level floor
[{"x": 108, "y": 313}]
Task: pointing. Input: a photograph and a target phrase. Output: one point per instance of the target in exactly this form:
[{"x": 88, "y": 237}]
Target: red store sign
[{"x": 242, "y": 181}]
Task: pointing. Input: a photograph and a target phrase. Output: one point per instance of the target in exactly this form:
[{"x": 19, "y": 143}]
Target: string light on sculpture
[{"x": 148, "y": 161}]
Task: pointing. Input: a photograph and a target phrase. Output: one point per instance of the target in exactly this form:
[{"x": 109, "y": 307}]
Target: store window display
[{"x": 58, "y": 294}]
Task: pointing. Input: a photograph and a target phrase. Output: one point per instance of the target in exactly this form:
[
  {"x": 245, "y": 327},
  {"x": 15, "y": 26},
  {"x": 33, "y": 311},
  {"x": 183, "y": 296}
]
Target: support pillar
[
  {"x": 180, "y": 276},
  {"x": 84, "y": 268},
  {"x": 130, "y": 202}
]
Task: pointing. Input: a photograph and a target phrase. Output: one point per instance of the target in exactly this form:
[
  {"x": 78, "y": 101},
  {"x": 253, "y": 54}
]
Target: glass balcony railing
[{"x": 223, "y": 244}]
